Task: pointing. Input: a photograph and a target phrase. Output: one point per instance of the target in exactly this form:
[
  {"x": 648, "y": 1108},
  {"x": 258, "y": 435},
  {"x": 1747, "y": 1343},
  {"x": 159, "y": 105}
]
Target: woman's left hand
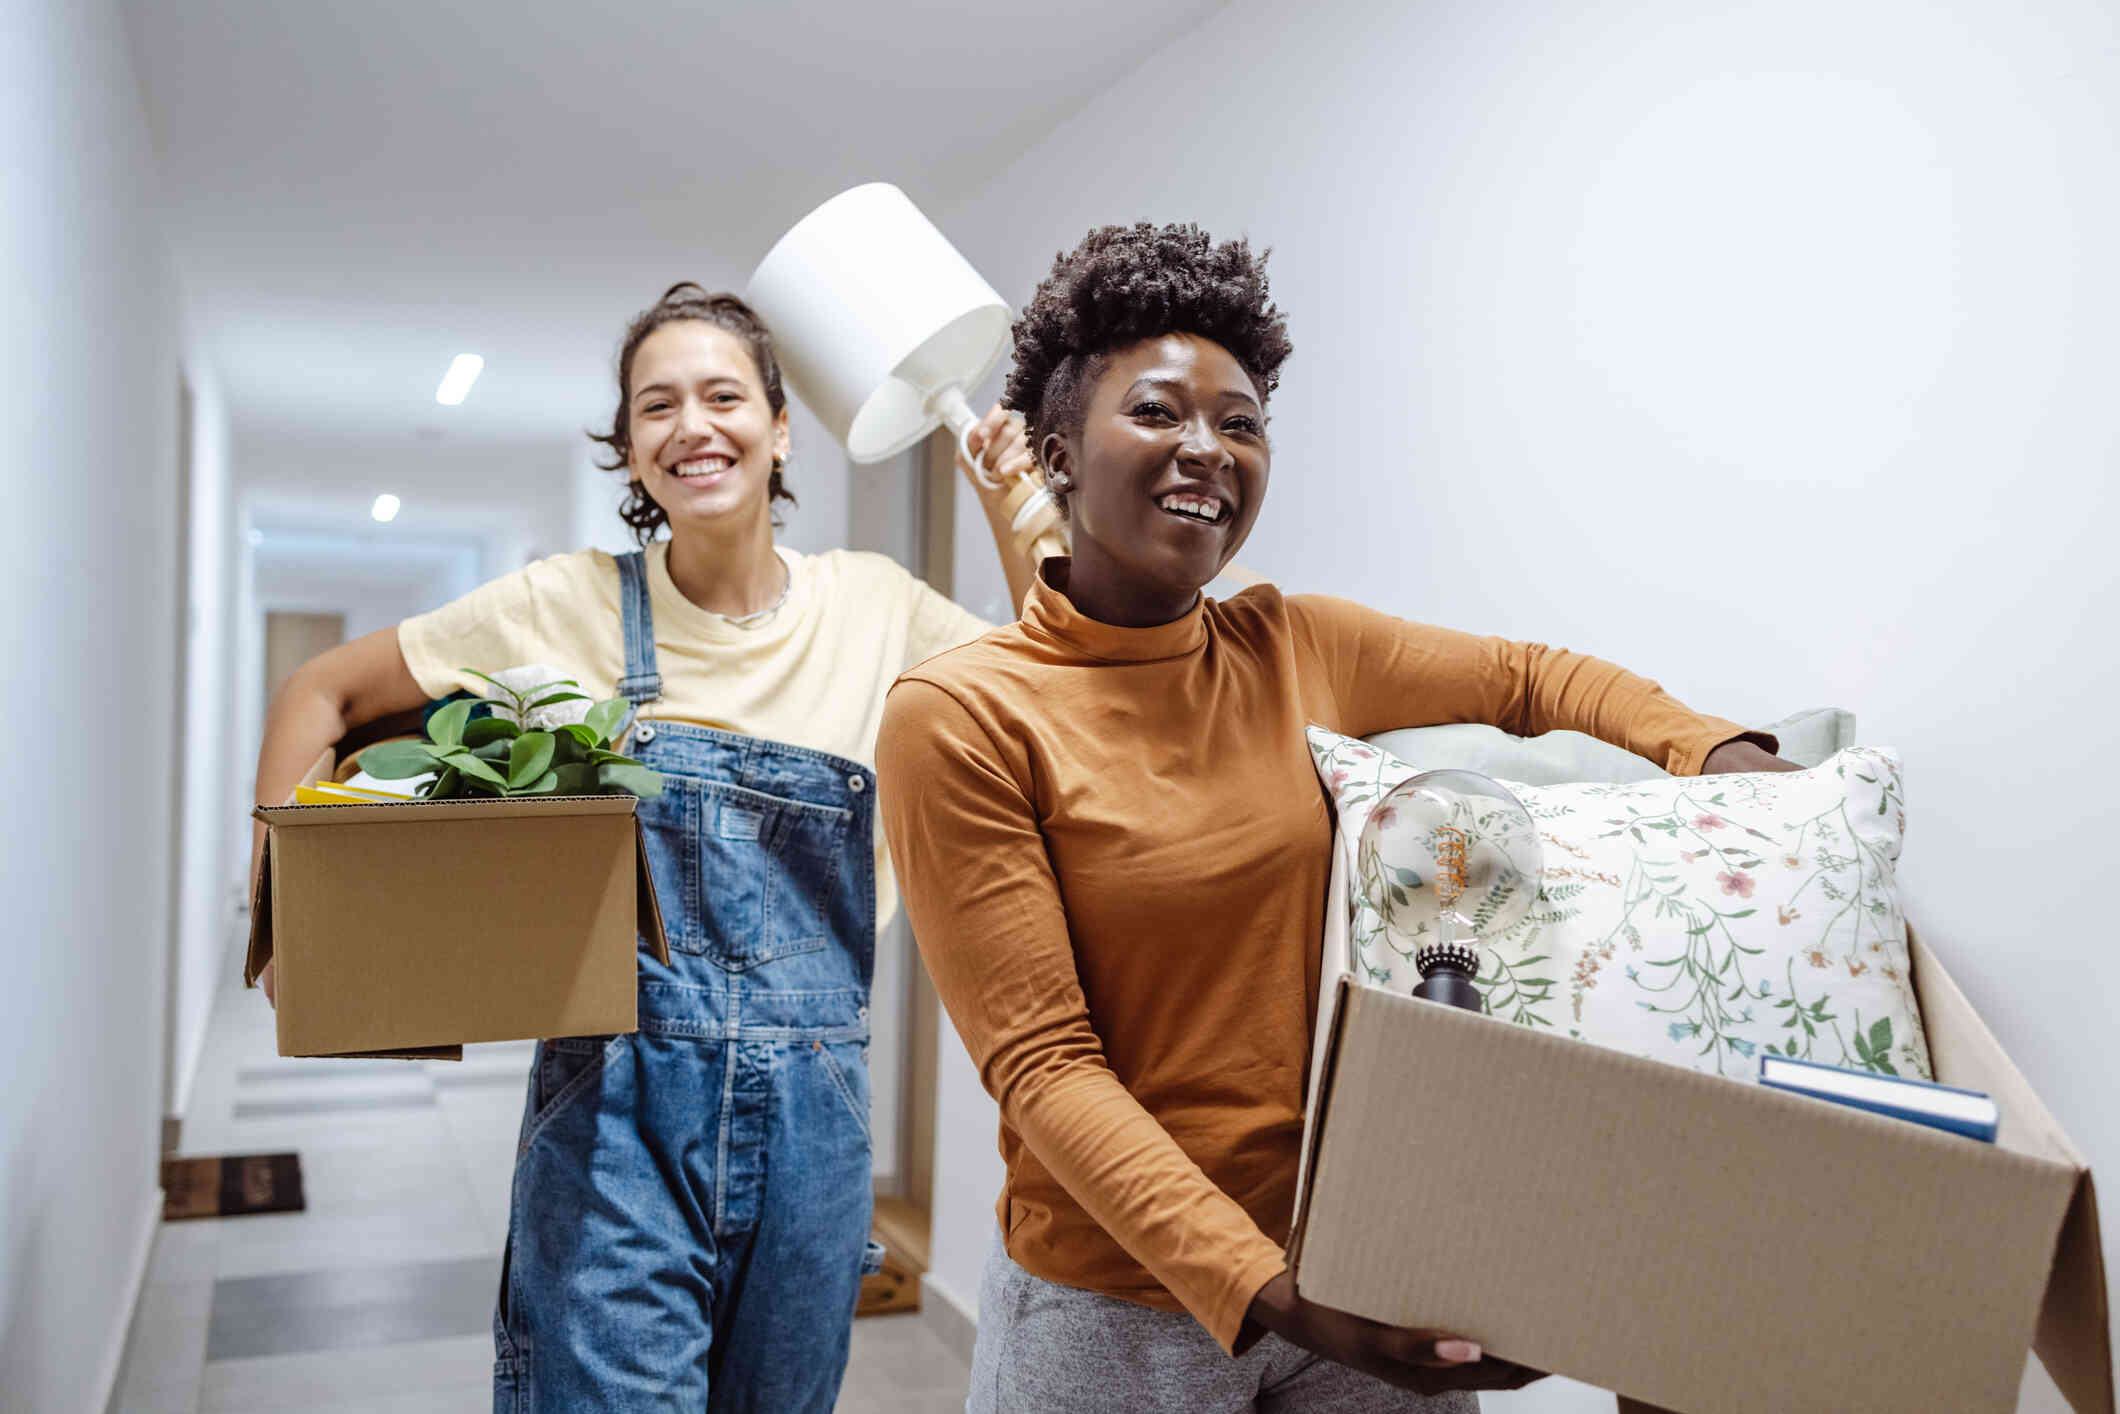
[
  {"x": 1003, "y": 452},
  {"x": 1743, "y": 756}
]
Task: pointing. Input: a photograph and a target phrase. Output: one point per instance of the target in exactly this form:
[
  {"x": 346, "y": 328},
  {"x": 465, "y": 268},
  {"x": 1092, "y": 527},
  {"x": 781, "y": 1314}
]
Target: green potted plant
[{"x": 526, "y": 747}]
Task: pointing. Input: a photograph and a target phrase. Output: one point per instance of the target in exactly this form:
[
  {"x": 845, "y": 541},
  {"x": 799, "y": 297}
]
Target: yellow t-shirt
[{"x": 813, "y": 675}]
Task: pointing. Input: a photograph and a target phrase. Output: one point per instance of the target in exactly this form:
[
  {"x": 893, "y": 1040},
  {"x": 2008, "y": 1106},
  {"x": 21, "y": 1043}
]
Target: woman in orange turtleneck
[{"x": 1114, "y": 848}]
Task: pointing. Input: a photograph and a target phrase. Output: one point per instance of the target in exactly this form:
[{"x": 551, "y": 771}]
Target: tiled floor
[{"x": 377, "y": 1299}]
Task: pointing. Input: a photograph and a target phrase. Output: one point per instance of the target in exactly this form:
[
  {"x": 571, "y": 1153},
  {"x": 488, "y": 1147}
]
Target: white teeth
[
  {"x": 702, "y": 466},
  {"x": 1197, "y": 507}
]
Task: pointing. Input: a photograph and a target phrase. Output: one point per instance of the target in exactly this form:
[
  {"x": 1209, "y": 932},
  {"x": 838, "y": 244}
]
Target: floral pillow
[{"x": 1694, "y": 920}]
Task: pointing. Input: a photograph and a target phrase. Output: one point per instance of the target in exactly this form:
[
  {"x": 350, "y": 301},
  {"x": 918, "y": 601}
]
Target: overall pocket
[
  {"x": 764, "y": 869},
  {"x": 566, "y": 1067}
]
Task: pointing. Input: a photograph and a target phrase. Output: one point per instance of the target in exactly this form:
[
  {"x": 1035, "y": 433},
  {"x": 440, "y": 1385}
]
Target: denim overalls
[{"x": 691, "y": 1207}]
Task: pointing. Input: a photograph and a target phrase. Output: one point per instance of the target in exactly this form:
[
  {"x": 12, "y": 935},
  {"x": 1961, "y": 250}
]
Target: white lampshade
[{"x": 880, "y": 324}]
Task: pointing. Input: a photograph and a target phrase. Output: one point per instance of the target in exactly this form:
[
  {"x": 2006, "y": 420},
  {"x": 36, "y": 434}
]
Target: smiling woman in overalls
[{"x": 691, "y": 1203}]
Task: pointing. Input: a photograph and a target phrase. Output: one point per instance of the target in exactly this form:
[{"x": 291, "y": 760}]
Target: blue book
[{"x": 1946, "y": 1107}]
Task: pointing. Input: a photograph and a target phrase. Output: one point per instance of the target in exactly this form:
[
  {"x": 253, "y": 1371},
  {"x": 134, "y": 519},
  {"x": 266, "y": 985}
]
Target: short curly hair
[
  {"x": 686, "y": 300},
  {"x": 1123, "y": 284}
]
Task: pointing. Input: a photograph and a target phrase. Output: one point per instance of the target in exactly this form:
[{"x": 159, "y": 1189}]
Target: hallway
[{"x": 378, "y": 1298}]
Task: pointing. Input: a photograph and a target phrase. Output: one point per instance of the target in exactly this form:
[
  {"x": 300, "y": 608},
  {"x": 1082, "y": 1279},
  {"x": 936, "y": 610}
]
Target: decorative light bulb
[{"x": 1451, "y": 857}]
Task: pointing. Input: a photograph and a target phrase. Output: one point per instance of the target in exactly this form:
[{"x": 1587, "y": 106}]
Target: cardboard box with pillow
[{"x": 1623, "y": 1213}]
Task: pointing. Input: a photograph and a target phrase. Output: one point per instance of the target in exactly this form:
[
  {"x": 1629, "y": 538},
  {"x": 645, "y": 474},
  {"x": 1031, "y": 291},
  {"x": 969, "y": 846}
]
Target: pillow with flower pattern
[{"x": 1694, "y": 920}]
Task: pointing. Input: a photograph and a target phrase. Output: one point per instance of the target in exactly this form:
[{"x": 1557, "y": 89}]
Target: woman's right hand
[{"x": 1428, "y": 1362}]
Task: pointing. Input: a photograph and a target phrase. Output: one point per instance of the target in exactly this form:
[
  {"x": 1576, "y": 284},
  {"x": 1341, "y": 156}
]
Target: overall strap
[{"x": 642, "y": 683}]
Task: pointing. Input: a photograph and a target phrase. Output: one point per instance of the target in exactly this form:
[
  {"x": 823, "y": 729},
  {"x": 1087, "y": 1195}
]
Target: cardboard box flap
[
  {"x": 1320, "y": 1087},
  {"x": 2074, "y": 1339},
  {"x": 645, "y": 904},
  {"x": 260, "y": 950},
  {"x": 1966, "y": 1054}
]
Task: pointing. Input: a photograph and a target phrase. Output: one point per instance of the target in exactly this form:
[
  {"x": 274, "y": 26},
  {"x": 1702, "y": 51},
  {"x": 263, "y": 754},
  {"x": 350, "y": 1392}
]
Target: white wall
[
  {"x": 1767, "y": 349},
  {"x": 89, "y": 349},
  {"x": 204, "y": 905}
]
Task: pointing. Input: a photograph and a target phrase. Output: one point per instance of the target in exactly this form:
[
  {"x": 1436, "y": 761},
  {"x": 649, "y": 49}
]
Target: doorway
[{"x": 292, "y": 639}]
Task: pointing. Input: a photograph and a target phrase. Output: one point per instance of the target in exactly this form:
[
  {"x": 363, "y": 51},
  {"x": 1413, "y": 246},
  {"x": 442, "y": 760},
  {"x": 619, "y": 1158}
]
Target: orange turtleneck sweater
[{"x": 1114, "y": 851}]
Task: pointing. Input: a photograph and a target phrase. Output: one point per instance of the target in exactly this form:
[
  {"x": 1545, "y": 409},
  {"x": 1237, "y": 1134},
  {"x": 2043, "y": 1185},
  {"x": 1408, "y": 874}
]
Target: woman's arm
[
  {"x": 984, "y": 904},
  {"x": 1388, "y": 672},
  {"x": 1005, "y": 455},
  {"x": 322, "y": 700}
]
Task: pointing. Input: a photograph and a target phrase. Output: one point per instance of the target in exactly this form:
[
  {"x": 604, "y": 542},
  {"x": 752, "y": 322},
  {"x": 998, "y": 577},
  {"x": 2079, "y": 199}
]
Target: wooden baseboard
[{"x": 902, "y": 1227}]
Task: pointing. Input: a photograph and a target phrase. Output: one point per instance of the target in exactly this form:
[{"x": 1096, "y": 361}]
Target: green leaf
[
  {"x": 638, "y": 780},
  {"x": 583, "y": 733},
  {"x": 529, "y": 758},
  {"x": 604, "y": 718},
  {"x": 1884, "y": 1065},
  {"x": 475, "y": 769},
  {"x": 494, "y": 751},
  {"x": 576, "y": 779},
  {"x": 610, "y": 758},
  {"x": 558, "y": 697},
  {"x": 1742, "y": 913},
  {"x": 489, "y": 729},
  {"x": 543, "y": 785},
  {"x": 1881, "y": 1035},
  {"x": 396, "y": 760},
  {"x": 483, "y": 677},
  {"x": 443, "y": 786},
  {"x": 446, "y": 727}
]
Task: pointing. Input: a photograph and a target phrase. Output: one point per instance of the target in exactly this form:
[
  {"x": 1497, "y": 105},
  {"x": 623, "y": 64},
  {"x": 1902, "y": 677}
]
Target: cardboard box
[
  {"x": 410, "y": 929},
  {"x": 1699, "y": 1245}
]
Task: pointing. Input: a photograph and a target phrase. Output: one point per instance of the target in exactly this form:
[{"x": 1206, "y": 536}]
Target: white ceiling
[{"x": 358, "y": 192}]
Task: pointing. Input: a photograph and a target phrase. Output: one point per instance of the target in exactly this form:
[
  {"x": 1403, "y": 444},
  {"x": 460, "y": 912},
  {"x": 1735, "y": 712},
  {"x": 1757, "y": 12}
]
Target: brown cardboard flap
[
  {"x": 1966, "y": 1054},
  {"x": 1321, "y": 1095},
  {"x": 2075, "y": 1334},
  {"x": 645, "y": 904},
  {"x": 260, "y": 950},
  {"x": 2074, "y": 1339}
]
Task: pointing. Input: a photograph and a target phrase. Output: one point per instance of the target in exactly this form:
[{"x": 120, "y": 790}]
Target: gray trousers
[{"x": 1044, "y": 1348}]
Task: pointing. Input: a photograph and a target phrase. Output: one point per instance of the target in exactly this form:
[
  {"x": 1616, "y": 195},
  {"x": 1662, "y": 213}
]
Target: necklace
[{"x": 787, "y": 582}]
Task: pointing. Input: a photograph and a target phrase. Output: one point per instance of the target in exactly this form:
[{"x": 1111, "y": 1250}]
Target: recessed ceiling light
[
  {"x": 385, "y": 507},
  {"x": 463, "y": 372}
]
